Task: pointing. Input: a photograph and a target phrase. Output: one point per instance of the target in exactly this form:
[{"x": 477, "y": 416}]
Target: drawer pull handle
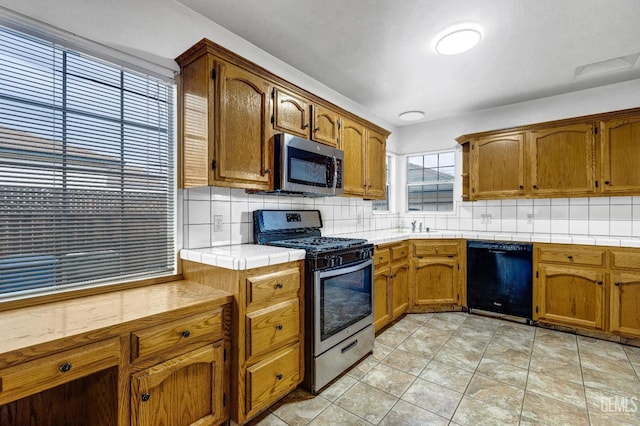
[
  {"x": 279, "y": 327},
  {"x": 186, "y": 333},
  {"x": 145, "y": 397},
  {"x": 279, "y": 376},
  {"x": 279, "y": 285},
  {"x": 65, "y": 367},
  {"x": 350, "y": 346},
  {"x": 617, "y": 284}
]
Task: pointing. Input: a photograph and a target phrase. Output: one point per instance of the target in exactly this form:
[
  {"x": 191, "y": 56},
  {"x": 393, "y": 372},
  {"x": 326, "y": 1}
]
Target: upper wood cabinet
[
  {"x": 365, "y": 159},
  {"x": 229, "y": 110},
  {"x": 579, "y": 157},
  {"x": 290, "y": 113},
  {"x": 620, "y": 151},
  {"x": 325, "y": 125},
  {"x": 562, "y": 160},
  {"x": 498, "y": 166}
]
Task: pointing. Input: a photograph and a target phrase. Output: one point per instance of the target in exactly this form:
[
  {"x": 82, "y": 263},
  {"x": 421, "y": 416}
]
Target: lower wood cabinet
[
  {"x": 188, "y": 389},
  {"x": 268, "y": 332},
  {"x": 390, "y": 283},
  {"x": 436, "y": 282},
  {"x": 625, "y": 304}
]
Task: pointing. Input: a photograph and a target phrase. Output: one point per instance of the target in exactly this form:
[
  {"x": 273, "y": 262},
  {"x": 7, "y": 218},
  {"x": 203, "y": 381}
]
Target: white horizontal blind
[{"x": 86, "y": 170}]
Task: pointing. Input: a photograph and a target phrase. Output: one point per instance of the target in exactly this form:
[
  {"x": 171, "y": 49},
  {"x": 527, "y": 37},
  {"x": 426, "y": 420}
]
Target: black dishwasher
[{"x": 499, "y": 277}]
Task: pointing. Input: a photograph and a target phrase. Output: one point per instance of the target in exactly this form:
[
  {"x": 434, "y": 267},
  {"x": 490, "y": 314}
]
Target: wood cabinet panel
[
  {"x": 382, "y": 313},
  {"x": 498, "y": 166},
  {"x": 400, "y": 253},
  {"x": 435, "y": 281},
  {"x": 562, "y": 160},
  {"x": 269, "y": 380},
  {"x": 290, "y": 113},
  {"x": 325, "y": 125},
  {"x": 376, "y": 157},
  {"x": 271, "y": 327},
  {"x": 434, "y": 248},
  {"x": 572, "y": 256},
  {"x": 264, "y": 290},
  {"x": 625, "y": 259},
  {"x": 620, "y": 152},
  {"x": 625, "y": 304},
  {"x": 184, "y": 390},
  {"x": 400, "y": 289},
  {"x": 173, "y": 334},
  {"x": 352, "y": 142},
  {"x": 53, "y": 370},
  {"x": 241, "y": 130},
  {"x": 571, "y": 296}
]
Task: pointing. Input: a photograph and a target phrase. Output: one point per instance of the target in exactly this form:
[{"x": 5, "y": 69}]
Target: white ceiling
[{"x": 379, "y": 53}]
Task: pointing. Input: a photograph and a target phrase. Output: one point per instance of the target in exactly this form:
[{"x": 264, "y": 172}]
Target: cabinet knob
[
  {"x": 186, "y": 333},
  {"x": 267, "y": 171},
  {"x": 279, "y": 376},
  {"x": 279, "y": 327},
  {"x": 617, "y": 284},
  {"x": 145, "y": 397},
  {"x": 317, "y": 129},
  {"x": 306, "y": 126},
  {"x": 65, "y": 367},
  {"x": 606, "y": 182},
  {"x": 535, "y": 186},
  {"x": 279, "y": 285},
  {"x": 521, "y": 186},
  {"x": 599, "y": 282},
  {"x": 570, "y": 257}
]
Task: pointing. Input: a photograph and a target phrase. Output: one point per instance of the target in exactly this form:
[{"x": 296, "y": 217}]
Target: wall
[{"x": 562, "y": 219}]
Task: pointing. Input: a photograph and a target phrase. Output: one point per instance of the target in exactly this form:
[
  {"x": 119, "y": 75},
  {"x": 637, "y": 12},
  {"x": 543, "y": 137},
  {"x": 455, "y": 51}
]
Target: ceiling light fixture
[
  {"x": 411, "y": 115},
  {"x": 458, "y": 39}
]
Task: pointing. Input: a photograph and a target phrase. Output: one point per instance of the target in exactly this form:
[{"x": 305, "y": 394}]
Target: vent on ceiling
[{"x": 607, "y": 66}]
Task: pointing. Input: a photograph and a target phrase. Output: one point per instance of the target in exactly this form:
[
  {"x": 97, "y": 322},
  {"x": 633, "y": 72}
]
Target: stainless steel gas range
[{"x": 338, "y": 291}]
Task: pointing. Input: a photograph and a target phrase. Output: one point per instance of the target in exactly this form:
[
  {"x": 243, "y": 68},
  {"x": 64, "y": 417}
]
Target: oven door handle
[
  {"x": 350, "y": 346},
  {"x": 345, "y": 270}
]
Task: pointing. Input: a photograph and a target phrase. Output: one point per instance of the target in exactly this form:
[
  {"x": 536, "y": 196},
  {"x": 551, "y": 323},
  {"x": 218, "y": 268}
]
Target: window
[
  {"x": 430, "y": 182},
  {"x": 86, "y": 170},
  {"x": 383, "y": 205}
]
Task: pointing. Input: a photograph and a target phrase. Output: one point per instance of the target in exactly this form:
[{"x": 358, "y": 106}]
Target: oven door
[{"x": 343, "y": 303}]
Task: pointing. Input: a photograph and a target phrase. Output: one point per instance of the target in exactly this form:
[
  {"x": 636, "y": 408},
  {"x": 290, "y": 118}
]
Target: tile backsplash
[{"x": 600, "y": 217}]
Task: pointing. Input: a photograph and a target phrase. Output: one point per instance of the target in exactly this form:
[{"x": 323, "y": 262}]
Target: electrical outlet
[
  {"x": 359, "y": 219},
  {"x": 485, "y": 218},
  {"x": 530, "y": 217},
  {"x": 217, "y": 223}
]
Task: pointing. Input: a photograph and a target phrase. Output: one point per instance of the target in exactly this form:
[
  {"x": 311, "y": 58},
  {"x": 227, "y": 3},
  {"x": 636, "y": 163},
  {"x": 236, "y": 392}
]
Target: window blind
[{"x": 86, "y": 169}]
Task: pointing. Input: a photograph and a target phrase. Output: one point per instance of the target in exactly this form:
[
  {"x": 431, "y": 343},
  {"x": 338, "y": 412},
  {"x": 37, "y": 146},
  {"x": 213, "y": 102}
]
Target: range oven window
[
  {"x": 309, "y": 168},
  {"x": 345, "y": 299}
]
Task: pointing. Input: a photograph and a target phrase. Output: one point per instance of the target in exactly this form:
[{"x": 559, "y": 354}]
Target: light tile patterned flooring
[{"x": 456, "y": 368}]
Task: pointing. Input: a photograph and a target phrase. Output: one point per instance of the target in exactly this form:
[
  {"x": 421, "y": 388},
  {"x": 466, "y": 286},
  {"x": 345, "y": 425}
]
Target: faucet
[
  {"x": 420, "y": 226},
  {"x": 413, "y": 226}
]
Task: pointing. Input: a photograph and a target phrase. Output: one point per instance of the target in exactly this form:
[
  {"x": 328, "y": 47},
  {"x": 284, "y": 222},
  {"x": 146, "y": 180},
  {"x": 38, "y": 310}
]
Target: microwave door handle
[{"x": 335, "y": 173}]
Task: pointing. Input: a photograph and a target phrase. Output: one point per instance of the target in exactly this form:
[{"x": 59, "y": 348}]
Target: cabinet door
[
  {"x": 435, "y": 281},
  {"x": 570, "y": 296},
  {"x": 620, "y": 151},
  {"x": 325, "y": 125},
  {"x": 184, "y": 390},
  {"x": 562, "y": 161},
  {"x": 625, "y": 304},
  {"x": 498, "y": 169},
  {"x": 241, "y": 117},
  {"x": 290, "y": 113},
  {"x": 381, "y": 297},
  {"x": 399, "y": 289},
  {"x": 376, "y": 158},
  {"x": 352, "y": 140}
]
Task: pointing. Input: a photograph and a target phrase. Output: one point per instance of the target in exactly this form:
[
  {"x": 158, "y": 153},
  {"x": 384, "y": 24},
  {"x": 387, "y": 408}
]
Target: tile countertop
[{"x": 247, "y": 256}]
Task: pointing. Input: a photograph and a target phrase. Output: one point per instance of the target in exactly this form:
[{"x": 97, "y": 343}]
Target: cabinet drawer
[
  {"x": 381, "y": 257},
  {"x": 572, "y": 256},
  {"x": 438, "y": 249},
  {"x": 268, "y": 380},
  {"x": 172, "y": 334},
  {"x": 45, "y": 373},
  {"x": 625, "y": 259},
  {"x": 399, "y": 253},
  {"x": 265, "y": 289},
  {"x": 268, "y": 328}
]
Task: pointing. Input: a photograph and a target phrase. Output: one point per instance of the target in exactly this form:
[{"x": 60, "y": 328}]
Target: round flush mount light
[
  {"x": 411, "y": 115},
  {"x": 458, "y": 39}
]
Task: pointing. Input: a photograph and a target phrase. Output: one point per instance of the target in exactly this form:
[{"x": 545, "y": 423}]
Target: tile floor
[{"x": 461, "y": 369}]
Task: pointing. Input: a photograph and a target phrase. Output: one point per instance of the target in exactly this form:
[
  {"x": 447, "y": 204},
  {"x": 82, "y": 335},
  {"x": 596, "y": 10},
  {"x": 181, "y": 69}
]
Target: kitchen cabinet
[
  {"x": 325, "y": 125},
  {"x": 229, "y": 109},
  {"x": 268, "y": 332},
  {"x": 364, "y": 159},
  {"x": 435, "y": 278},
  {"x": 498, "y": 166},
  {"x": 620, "y": 154},
  {"x": 562, "y": 160},
  {"x": 290, "y": 113},
  {"x": 142, "y": 356},
  {"x": 391, "y": 283},
  {"x": 624, "y": 302}
]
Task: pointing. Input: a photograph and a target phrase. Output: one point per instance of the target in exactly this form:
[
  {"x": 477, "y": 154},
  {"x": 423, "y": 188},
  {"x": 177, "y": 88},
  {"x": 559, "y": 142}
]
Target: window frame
[
  {"x": 389, "y": 168},
  {"x": 452, "y": 181}
]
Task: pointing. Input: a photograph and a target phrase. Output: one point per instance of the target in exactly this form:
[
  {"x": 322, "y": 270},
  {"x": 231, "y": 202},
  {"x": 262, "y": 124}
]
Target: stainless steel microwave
[{"x": 305, "y": 167}]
